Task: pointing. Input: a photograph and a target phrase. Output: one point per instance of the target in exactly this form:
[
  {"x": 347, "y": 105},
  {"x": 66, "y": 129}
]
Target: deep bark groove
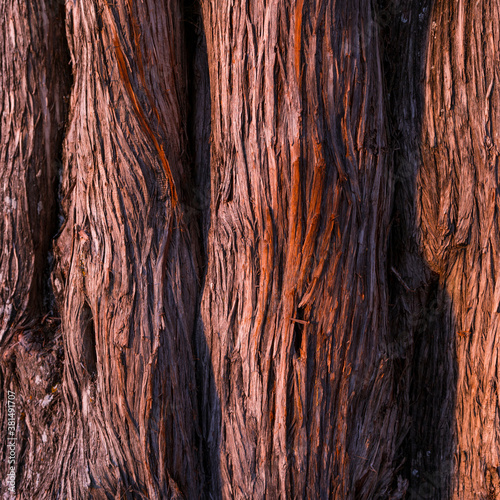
[{"x": 34, "y": 85}]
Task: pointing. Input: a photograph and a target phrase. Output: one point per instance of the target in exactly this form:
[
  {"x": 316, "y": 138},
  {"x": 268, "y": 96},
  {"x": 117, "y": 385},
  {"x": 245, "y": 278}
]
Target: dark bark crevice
[
  {"x": 88, "y": 342},
  {"x": 35, "y": 78},
  {"x": 421, "y": 312},
  {"x": 197, "y": 191},
  {"x": 197, "y": 211}
]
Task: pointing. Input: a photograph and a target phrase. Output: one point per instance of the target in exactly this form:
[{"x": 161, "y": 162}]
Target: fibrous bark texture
[
  {"x": 458, "y": 208},
  {"x": 295, "y": 299},
  {"x": 34, "y": 87},
  {"x": 125, "y": 279},
  {"x": 274, "y": 273}
]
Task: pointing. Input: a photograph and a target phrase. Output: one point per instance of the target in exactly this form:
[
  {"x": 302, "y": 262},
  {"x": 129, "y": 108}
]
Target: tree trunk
[
  {"x": 458, "y": 215},
  {"x": 34, "y": 87},
  {"x": 125, "y": 261},
  {"x": 295, "y": 307},
  {"x": 274, "y": 267}
]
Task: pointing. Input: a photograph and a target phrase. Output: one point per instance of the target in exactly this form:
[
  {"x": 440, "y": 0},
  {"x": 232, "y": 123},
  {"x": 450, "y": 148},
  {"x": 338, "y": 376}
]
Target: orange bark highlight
[
  {"x": 298, "y": 36},
  {"x": 122, "y": 68}
]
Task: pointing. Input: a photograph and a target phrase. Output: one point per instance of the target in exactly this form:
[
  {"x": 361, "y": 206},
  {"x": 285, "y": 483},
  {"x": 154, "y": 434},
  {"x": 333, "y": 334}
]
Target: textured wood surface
[
  {"x": 274, "y": 273},
  {"x": 35, "y": 79},
  {"x": 421, "y": 317},
  {"x": 295, "y": 299},
  {"x": 33, "y": 93},
  {"x": 458, "y": 207},
  {"x": 125, "y": 257}
]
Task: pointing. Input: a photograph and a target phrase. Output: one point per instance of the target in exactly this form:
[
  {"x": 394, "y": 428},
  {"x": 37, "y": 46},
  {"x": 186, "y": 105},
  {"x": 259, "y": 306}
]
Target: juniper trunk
[
  {"x": 458, "y": 195},
  {"x": 274, "y": 268},
  {"x": 34, "y": 87},
  {"x": 125, "y": 276}
]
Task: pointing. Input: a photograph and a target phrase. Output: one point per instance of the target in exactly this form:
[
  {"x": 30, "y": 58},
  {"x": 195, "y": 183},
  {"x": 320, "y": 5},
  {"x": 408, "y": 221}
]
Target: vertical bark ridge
[
  {"x": 295, "y": 299},
  {"x": 35, "y": 78},
  {"x": 126, "y": 279},
  {"x": 458, "y": 208},
  {"x": 33, "y": 86}
]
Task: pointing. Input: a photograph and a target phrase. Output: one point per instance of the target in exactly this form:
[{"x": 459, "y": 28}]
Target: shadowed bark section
[
  {"x": 421, "y": 314},
  {"x": 33, "y": 87},
  {"x": 125, "y": 278},
  {"x": 295, "y": 299},
  {"x": 458, "y": 208}
]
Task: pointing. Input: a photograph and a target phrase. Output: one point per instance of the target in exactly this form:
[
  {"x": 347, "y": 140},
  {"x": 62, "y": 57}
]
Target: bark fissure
[{"x": 35, "y": 80}]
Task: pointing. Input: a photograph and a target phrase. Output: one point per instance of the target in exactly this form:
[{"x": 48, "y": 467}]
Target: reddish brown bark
[
  {"x": 126, "y": 280},
  {"x": 276, "y": 271},
  {"x": 34, "y": 87},
  {"x": 295, "y": 299},
  {"x": 458, "y": 209}
]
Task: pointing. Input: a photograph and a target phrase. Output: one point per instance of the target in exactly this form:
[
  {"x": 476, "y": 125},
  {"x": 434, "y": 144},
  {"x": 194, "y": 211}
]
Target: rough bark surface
[
  {"x": 421, "y": 318},
  {"x": 275, "y": 273},
  {"x": 34, "y": 87},
  {"x": 125, "y": 279},
  {"x": 295, "y": 300},
  {"x": 458, "y": 208}
]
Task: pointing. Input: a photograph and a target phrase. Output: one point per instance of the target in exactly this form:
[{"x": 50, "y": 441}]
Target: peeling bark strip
[
  {"x": 125, "y": 277},
  {"x": 295, "y": 299},
  {"x": 33, "y": 85},
  {"x": 458, "y": 204}
]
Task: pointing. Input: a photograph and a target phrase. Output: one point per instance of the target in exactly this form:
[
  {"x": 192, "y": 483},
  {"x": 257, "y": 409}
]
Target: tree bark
[
  {"x": 421, "y": 315},
  {"x": 295, "y": 306},
  {"x": 33, "y": 92},
  {"x": 274, "y": 267},
  {"x": 458, "y": 215},
  {"x": 125, "y": 265},
  {"x": 34, "y": 87}
]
